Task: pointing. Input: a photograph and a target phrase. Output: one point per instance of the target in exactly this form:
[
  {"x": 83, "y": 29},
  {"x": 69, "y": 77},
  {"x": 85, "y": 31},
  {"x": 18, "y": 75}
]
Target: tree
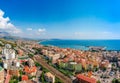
[
  {"x": 114, "y": 80},
  {"x": 30, "y": 55},
  {"x": 14, "y": 79},
  {"x": 113, "y": 64},
  {"x": 118, "y": 80},
  {"x": 57, "y": 80},
  {"x": 38, "y": 50},
  {"x": 98, "y": 81},
  {"x": 37, "y": 64},
  {"x": 104, "y": 69}
]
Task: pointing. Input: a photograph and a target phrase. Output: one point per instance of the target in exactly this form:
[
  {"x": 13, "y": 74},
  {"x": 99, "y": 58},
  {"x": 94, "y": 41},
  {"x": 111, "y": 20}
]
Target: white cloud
[
  {"x": 29, "y": 29},
  {"x": 6, "y": 25},
  {"x": 34, "y": 33},
  {"x": 41, "y": 30}
]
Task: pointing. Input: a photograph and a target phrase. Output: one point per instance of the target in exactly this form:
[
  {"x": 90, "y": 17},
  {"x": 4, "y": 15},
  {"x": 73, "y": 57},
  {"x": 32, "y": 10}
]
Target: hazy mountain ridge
[
  {"x": 3, "y": 34},
  {"x": 8, "y": 36}
]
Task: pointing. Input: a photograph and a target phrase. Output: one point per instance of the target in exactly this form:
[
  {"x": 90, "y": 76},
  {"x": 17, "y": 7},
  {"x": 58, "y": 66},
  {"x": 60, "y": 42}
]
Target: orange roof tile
[
  {"x": 24, "y": 77},
  {"x": 7, "y": 78},
  {"x": 85, "y": 78},
  {"x": 26, "y": 69},
  {"x": 30, "y": 70},
  {"x": 33, "y": 69}
]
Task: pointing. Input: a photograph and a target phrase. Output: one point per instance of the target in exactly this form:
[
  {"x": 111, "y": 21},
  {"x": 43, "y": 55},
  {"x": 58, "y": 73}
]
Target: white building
[
  {"x": 8, "y": 52},
  {"x": 5, "y": 65},
  {"x": 17, "y": 63}
]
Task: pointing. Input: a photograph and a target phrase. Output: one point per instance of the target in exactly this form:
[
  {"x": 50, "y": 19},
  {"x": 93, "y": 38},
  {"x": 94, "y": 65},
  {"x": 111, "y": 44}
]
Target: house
[
  {"x": 8, "y": 52},
  {"x": 30, "y": 70},
  {"x": 20, "y": 52},
  {"x": 24, "y": 77},
  {"x": 104, "y": 63},
  {"x": 84, "y": 79},
  {"x": 55, "y": 58},
  {"x": 30, "y": 62},
  {"x": 14, "y": 72},
  {"x": 50, "y": 78}
]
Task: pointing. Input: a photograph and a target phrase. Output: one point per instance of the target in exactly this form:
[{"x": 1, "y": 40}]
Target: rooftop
[
  {"x": 30, "y": 69},
  {"x": 88, "y": 79},
  {"x": 24, "y": 77},
  {"x": 49, "y": 74}
]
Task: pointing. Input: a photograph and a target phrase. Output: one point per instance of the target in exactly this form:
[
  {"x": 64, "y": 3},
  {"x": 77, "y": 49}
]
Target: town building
[
  {"x": 50, "y": 78},
  {"x": 92, "y": 48},
  {"x": 30, "y": 62},
  {"x": 84, "y": 79},
  {"x": 20, "y": 52},
  {"x": 30, "y": 70},
  {"x": 8, "y": 52},
  {"x": 55, "y": 58},
  {"x": 118, "y": 64},
  {"x": 24, "y": 77},
  {"x": 14, "y": 72},
  {"x": 7, "y": 64},
  {"x": 104, "y": 64}
]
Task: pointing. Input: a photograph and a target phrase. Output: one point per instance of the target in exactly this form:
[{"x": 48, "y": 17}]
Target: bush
[
  {"x": 114, "y": 80},
  {"x": 98, "y": 81},
  {"x": 37, "y": 64},
  {"x": 14, "y": 79},
  {"x": 30, "y": 55},
  {"x": 57, "y": 80}
]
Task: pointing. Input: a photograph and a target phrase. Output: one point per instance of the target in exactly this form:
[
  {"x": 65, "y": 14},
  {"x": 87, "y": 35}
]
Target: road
[{"x": 58, "y": 74}]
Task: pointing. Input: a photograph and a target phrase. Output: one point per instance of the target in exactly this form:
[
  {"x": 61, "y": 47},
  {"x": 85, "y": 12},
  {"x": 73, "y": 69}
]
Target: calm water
[{"x": 82, "y": 44}]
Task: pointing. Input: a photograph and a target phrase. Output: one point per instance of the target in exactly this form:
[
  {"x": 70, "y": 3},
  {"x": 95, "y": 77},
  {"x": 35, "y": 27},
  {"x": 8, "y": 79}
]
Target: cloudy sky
[{"x": 64, "y": 19}]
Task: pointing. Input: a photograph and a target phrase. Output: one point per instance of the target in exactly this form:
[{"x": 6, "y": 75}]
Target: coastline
[{"x": 77, "y": 46}]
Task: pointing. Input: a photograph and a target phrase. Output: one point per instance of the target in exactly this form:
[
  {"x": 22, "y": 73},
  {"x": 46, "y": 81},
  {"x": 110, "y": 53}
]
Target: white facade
[
  {"x": 12, "y": 54},
  {"x": 17, "y": 64},
  {"x": 8, "y": 53},
  {"x": 5, "y": 65}
]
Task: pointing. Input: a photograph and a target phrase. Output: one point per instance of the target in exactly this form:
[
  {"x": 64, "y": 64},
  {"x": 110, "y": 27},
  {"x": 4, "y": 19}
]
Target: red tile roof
[
  {"x": 30, "y": 70},
  {"x": 85, "y": 78},
  {"x": 7, "y": 78},
  {"x": 24, "y": 77}
]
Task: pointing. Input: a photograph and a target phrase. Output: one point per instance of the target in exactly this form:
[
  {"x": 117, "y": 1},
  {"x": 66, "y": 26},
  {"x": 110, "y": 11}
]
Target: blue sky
[{"x": 65, "y": 19}]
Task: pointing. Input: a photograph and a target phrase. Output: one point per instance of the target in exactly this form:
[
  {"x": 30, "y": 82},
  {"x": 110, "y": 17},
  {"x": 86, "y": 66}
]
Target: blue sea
[{"x": 84, "y": 44}]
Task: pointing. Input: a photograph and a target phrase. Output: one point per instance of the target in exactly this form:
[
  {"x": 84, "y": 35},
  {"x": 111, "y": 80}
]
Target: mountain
[
  {"x": 8, "y": 36},
  {"x": 4, "y": 34}
]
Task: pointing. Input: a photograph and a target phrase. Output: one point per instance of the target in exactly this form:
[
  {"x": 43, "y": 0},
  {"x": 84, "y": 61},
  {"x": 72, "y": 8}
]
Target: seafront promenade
[{"x": 58, "y": 74}]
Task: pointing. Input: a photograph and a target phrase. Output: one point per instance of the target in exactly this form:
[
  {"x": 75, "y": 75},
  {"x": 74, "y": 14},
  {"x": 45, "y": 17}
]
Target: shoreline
[{"x": 77, "y": 46}]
